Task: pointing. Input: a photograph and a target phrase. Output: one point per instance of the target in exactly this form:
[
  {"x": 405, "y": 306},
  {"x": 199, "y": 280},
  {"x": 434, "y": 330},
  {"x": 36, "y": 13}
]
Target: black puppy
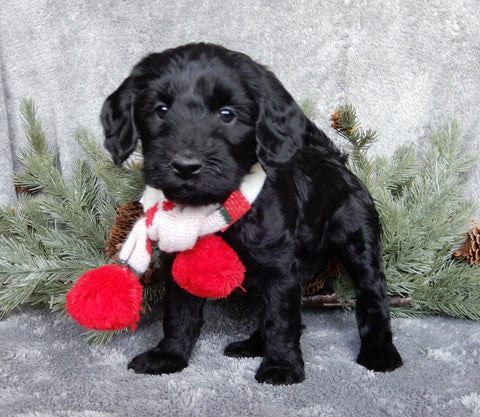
[{"x": 205, "y": 115}]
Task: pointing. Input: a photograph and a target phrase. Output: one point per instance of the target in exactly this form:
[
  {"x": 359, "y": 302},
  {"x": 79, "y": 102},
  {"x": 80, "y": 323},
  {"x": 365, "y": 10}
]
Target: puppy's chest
[{"x": 262, "y": 236}]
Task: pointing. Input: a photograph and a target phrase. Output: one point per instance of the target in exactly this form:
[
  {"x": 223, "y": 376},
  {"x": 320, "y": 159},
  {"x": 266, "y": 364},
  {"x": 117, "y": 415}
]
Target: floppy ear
[
  {"x": 281, "y": 124},
  {"x": 117, "y": 120}
]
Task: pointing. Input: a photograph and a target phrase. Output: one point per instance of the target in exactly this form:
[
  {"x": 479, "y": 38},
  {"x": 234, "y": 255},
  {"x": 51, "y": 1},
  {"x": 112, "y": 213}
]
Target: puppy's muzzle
[{"x": 186, "y": 167}]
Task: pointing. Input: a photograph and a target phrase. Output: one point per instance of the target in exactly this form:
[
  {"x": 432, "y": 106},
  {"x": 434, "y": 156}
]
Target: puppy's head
[{"x": 204, "y": 115}]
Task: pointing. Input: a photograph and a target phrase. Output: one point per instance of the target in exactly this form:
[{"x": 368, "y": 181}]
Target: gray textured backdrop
[{"x": 406, "y": 65}]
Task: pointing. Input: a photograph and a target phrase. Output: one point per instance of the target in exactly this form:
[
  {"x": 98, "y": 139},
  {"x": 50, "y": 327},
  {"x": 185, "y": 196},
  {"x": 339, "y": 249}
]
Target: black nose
[{"x": 186, "y": 167}]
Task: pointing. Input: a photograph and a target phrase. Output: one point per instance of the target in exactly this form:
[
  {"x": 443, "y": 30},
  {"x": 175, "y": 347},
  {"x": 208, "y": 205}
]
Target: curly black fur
[{"x": 205, "y": 115}]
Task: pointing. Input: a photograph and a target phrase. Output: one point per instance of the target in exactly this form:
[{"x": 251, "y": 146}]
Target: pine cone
[
  {"x": 127, "y": 215},
  {"x": 25, "y": 190},
  {"x": 337, "y": 123},
  {"x": 336, "y": 120},
  {"x": 331, "y": 270},
  {"x": 471, "y": 247}
]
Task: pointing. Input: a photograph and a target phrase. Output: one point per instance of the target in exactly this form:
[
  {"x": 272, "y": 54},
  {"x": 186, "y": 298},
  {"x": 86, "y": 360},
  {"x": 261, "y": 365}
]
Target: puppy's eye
[
  {"x": 226, "y": 115},
  {"x": 161, "y": 110}
]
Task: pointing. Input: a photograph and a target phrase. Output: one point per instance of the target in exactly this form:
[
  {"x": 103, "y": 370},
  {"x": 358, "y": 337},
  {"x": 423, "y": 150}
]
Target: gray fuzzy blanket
[{"x": 47, "y": 370}]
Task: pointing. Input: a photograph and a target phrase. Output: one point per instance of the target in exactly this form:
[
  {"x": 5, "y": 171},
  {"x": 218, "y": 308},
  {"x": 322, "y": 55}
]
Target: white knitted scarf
[{"x": 177, "y": 227}]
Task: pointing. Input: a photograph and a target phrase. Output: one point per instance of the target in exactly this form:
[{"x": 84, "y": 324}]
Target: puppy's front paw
[
  {"x": 383, "y": 358},
  {"x": 156, "y": 362},
  {"x": 280, "y": 373}
]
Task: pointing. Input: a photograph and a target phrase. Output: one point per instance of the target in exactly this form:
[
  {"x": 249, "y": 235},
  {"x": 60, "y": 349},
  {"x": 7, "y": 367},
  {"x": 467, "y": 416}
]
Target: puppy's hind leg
[
  {"x": 362, "y": 259},
  {"x": 183, "y": 317},
  {"x": 252, "y": 347}
]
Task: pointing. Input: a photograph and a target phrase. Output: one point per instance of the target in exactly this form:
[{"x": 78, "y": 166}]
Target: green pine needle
[
  {"x": 97, "y": 338},
  {"x": 33, "y": 128},
  {"x": 125, "y": 182}
]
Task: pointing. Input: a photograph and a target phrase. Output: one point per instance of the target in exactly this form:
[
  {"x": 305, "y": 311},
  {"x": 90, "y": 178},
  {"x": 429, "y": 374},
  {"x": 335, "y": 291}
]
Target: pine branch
[
  {"x": 433, "y": 213},
  {"x": 33, "y": 128},
  {"x": 423, "y": 214},
  {"x": 454, "y": 291},
  {"x": 125, "y": 182},
  {"x": 395, "y": 174},
  {"x": 98, "y": 338},
  {"x": 39, "y": 281},
  {"x": 58, "y": 229},
  {"x": 308, "y": 107},
  {"x": 346, "y": 123},
  {"x": 38, "y": 158},
  {"x": 152, "y": 294},
  {"x": 50, "y": 239}
]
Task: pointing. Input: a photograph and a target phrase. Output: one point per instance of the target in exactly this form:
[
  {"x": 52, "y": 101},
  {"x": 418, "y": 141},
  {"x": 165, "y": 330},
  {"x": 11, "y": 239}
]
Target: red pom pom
[
  {"x": 106, "y": 298},
  {"x": 211, "y": 269}
]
